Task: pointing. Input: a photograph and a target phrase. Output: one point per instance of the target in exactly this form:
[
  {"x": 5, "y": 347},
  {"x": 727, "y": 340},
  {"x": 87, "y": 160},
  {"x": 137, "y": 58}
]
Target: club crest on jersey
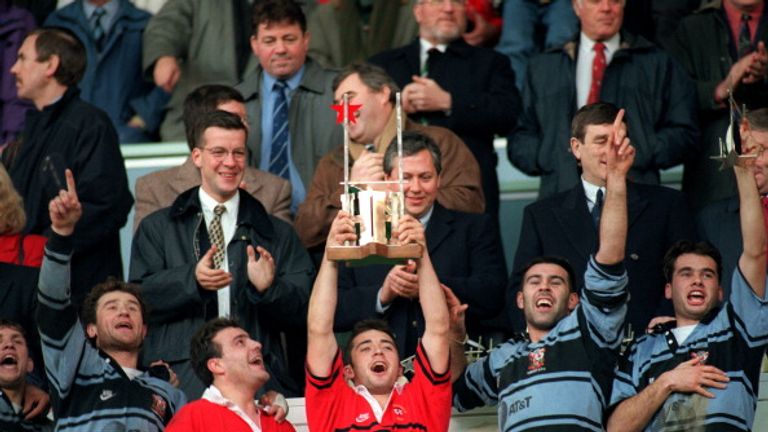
[
  {"x": 159, "y": 405},
  {"x": 701, "y": 355},
  {"x": 536, "y": 360},
  {"x": 398, "y": 410}
]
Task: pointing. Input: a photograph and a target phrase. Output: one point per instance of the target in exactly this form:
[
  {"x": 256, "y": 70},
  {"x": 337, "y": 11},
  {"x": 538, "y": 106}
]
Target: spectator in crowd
[
  {"x": 371, "y": 131},
  {"x": 603, "y": 64},
  {"x": 111, "y": 31},
  {"x": 15, "y": 387},
  {"x": 216, "y": 252},
  {"x": 93, "y": 369},
  {"x": 524, "y": 20},
  {"x": 702, "y": 370},
  {"x": 657, "y": 20},
  {"x": 718, "y": 223},
  {"x": 377, "y": 399},
  {"x": 15, "y": 247},
  {"x": 159, "y": 189},
  {"x": 465, "y": 249},
  {"x": 558, "y": 373},
  {"x": 722, "y": 46},
  {"x": 566, "y": 224},
  {"x": 231, "y": 364},
  {"x": 345, "y": 31},
  {"x": 448, "y": 83},
  {"x": 288, "y": 98},
  {"x": 483, "y": 23},
  {"x": 15, "y": 23},
  {"x": 189, "y": 43},
  {"x": 65, "y": 132}
]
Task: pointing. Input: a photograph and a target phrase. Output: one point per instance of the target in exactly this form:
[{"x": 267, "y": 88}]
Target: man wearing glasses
[{"x": 216, "y": 252}]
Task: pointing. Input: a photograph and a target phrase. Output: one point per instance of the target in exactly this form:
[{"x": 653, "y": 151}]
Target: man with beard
[
  {"x": 93, "y": 369},
  {"x": 557, "y": 376}
]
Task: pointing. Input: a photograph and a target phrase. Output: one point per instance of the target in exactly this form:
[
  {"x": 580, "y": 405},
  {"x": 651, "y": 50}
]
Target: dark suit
[
  {"x": 467, "y": 256},
  {"x": 485, "y": 99},
  {"x": 562, "y": 225},
  {"x": 719, "y": 224}
]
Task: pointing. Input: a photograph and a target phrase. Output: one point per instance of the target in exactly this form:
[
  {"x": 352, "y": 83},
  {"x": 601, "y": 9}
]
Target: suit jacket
[
  {"x": 719, "y": 224},
  {"x": 466, "y": 253},
  {"x": 562, "y": 225},
  {"x": 159, "y": 189},
  {"x": 485, "y": 99}
]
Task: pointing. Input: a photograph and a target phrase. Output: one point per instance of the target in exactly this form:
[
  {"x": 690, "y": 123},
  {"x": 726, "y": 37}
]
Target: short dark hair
[
  {"x": 64, "y": 44},
  {"x": 374, "y": 77},
  {"x": 202, "y": 347},
  {"x": 682, "y": 247},
  {"x": 598, "y": 113},
  {"x": 277, "y": 12},
  {"x": 219, "y": 119},
  {"x": 6, "y": 323},
  {"x": 205, "y": 99},
  {"x": 362, "y": 327},
  {"x": 757, "y": 119},
  {"x": 110, "y": 285},
  {"x": 552, "y": 259},
  {"x": 413, "y": 142}
]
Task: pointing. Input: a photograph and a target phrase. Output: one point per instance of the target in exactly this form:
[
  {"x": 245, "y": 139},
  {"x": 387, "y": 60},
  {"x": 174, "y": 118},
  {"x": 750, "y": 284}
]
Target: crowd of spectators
[{"x": 614, "y": 317}]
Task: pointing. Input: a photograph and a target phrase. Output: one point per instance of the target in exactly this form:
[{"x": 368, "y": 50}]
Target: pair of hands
[
  {"x": 749, "y": 69},
  {"x": 261, "y": 270},
  {"x": 424, "y": 94}
]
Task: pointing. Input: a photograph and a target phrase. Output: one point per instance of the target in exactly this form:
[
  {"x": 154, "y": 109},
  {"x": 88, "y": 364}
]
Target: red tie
[{"x": 598, "y": 69}]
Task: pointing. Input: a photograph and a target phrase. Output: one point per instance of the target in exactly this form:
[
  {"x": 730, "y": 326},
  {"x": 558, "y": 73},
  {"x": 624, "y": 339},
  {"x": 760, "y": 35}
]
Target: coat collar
[
  {"x": 629, "y": 43},
  {"x": 439, "y": 228},
  {"x": 250, "y": 212},
  {"x": 313, "y": 80}
]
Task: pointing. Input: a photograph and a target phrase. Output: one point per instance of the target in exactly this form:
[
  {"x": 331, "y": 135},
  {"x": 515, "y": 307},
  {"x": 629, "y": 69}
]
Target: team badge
[
  {"x": 159, "y": 405},
  {"x": 536, "y": 359},
  {"x": 701, "y": 355},
  {"x": 398, "y": 410}
]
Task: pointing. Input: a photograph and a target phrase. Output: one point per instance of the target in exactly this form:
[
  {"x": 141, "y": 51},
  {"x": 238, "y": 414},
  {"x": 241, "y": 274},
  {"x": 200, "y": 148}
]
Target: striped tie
[
  {"x": 216, "y": 235},
  {"x": 278, "y": 158},
  {"x": 98, "y": 27}
]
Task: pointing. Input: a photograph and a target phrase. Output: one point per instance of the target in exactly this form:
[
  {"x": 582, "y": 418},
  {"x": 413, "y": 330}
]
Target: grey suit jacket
[{"x": 158, "y": 190}]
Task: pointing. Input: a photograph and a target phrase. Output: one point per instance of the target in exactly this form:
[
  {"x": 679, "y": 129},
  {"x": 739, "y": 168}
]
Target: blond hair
[{"x": 12, "y": 217}]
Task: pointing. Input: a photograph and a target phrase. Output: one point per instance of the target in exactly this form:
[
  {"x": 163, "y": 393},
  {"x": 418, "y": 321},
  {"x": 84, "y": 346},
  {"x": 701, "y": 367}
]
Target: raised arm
[
  {"x": 752, "y": 259},
  {"x": 431, "y": 298},
  {"x": 322, "y": 346},
  {"x": 613, "y": 221}
]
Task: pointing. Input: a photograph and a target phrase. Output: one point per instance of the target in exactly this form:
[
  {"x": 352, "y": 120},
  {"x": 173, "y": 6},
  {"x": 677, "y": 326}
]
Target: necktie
[
  {"x": 278, "y": 159},
  {"x": 98, "y": 27},
  {"x": 597, "y": 208},
  {"x": 429, "y": 62},
  {"x": 216, "y": 235},
  {"x": 598, "y": 69},
  {"x": 745, "y": 41}
]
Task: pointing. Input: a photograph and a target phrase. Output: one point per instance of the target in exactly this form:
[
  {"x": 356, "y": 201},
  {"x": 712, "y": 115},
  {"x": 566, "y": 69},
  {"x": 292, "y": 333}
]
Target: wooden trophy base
[{"x": 374, "y": 253}]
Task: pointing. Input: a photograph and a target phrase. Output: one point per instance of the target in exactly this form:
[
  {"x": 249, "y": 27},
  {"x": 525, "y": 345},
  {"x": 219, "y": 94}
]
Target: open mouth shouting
[
  {"x": 544, "y": 304},
  {"x": 696, "y": 297},
  {"x": 379, "y": 367}
]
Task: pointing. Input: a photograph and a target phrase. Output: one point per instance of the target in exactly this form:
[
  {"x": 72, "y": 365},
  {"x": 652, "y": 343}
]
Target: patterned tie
[
  {"x": 216, "y": 235},
  {"x": 598, "y": 69},
  {"x": 432, "y": 56},
  {"x": 98, "y": 27},
  {"x": 278, "y": 158},
  {"x": 597, "y": 209},
  {"x": 745, "y": 41}
]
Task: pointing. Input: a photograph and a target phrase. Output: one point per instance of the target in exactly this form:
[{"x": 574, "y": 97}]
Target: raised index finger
[
  {"x": 617, "y": 122},
  {"x": 70, "y": 182}
]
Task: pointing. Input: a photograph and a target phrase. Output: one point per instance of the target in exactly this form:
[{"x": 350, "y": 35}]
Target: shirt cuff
[{"x": 380, "y": 308}]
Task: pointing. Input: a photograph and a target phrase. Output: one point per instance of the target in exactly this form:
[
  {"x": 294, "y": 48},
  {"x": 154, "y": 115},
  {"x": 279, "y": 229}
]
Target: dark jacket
[
  {"x": 167, "y": 247},
  {"x": 485, "y": 100},
  {"x": 113, "y": 80},
  {"x": 660, "y": 103},
  {"x": 704, "y": 46},
  {"x": 78, "y": 136},
  {"x": 15, "y": 23},
  {"x": 561, "y": 225},
  {"x": 466, "y": 253}
]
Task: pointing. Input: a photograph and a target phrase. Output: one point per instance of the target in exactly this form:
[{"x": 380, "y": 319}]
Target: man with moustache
[{"x": 557, "y": 375}]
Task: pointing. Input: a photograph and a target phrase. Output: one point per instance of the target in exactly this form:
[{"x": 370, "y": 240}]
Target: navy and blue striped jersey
[
  {"x": 732, "y": 338},
  {"x": 89, "y": 390},
  {"x": 562, "y": 382},
  {"x": 13, "y": 421}
]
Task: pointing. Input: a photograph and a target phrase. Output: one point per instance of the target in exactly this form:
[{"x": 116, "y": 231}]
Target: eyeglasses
[
  {"x": 219, "y": 153},
  {"x": 442, "y": 2}
]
